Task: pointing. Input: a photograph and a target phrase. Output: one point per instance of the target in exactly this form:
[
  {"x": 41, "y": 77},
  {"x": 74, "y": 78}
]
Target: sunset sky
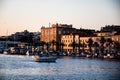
[{"x": 19, "y": 15}]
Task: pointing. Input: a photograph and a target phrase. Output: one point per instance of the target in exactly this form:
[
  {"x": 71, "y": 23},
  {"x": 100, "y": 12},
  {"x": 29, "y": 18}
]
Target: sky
[{"x": 31, "y": 15}]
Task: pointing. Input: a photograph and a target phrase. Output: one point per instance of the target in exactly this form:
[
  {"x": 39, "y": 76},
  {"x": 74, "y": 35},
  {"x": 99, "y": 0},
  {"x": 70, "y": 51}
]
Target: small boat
[
  {"x": 6, "y": 51},
  {"x": 44, "y": 59}
]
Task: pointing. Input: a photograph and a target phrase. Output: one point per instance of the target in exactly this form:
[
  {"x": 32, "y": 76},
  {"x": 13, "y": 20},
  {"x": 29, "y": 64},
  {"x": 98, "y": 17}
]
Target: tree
[
  {"x": 116, "y": 47},
  {"x": 102, "y": 41},
  {"x": 90, "y": 43},
  {"x": 73, "y": 44},
  {"x": 23, "y": 39},
  {"x": 47, "y": 45},
  {"x": 109, "y": 43},
  {"x": 42, "y": 43},
  {"x": 79, "y": 44},
  {"x": 53, "y": 43},
  {"x": 96, "y": 46},
  {"x": 61, "y": 46},
  {"x": 109, "y": 40},
  {"x": 57, "y": 45},
  {"x": 83, "y": 47}
]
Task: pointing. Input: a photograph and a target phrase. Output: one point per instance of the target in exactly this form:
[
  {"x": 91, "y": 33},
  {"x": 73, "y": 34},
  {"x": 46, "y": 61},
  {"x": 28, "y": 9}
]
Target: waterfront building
[
  {"x": 116, "y": 38},
  {"x": 10, "y": 45},
  {"x": 111, "y": 28},
  {"x": 79, "y": 41},
  {"x": 73, "y": 39},
  {"x": 69, "y": 39},
  {"x": 54, "y": 33},
  {"x": 105, "y": 33}
]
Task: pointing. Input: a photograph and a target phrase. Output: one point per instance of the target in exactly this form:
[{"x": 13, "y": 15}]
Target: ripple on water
[{"x": 23, "y": 68}]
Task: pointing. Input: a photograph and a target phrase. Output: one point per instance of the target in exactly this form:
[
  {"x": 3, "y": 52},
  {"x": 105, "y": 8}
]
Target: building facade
[
  {"x": 54, "y": 33},
  {"x": 116, "y": 38},
  {"x": 111, "y": 28},
  {"x": 79, "y": 41},
  {"x": 67, "y": 40}
]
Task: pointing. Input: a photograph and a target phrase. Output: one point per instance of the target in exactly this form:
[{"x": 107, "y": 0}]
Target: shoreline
[{"x": 73, "y": 57}]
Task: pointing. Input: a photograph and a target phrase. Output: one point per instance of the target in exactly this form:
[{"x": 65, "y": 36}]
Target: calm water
[{"x": 13, "y": 67}]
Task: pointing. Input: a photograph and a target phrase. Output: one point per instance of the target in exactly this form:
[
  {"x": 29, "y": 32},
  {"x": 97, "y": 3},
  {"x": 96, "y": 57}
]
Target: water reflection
[{"x": 23, "y": 68}]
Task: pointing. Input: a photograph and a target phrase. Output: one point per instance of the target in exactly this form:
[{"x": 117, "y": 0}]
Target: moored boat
[
  {"x": 6, "y": 51},
  {"x": 44, "y": 59}
]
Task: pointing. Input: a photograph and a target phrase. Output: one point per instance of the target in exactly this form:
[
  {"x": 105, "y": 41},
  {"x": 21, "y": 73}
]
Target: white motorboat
[{"x": 44, "y": 59}]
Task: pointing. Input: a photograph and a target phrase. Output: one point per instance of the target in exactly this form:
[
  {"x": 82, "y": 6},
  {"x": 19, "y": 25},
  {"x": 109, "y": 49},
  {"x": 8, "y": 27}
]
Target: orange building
[
  {"x": 54, "y": 32},
  {"x": 116, "y": 38},
  {"x": 67, "y": 40}
]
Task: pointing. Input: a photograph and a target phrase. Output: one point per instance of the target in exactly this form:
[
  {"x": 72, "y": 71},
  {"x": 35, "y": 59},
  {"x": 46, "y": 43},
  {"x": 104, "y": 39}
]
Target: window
[
  {"x": 59, "y": 32},
  {"x": 54, "y": 31},
  {"x": 68, "y": 40},
  {"x": 64, "y": 32},
  {"x": 49, "y": 32}
]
